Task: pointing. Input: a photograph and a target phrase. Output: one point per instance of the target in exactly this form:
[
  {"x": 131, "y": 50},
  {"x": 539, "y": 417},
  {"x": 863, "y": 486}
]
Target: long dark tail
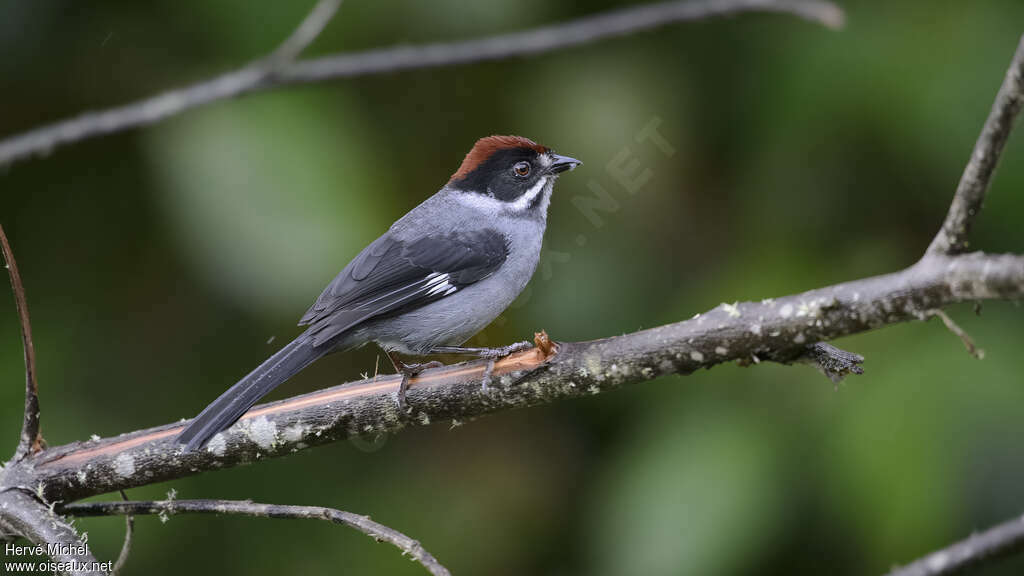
[{"x": 230, "y": 406}]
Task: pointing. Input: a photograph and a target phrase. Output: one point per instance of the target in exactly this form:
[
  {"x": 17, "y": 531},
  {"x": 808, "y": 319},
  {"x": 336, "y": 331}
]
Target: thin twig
[
  {"x": 996, "y": 542},
  {"x": 126, "y": 547},
  {"x": 306, "y": 33},
  {"x": 610, "y": 24},
  {"x": 960, "y": 332},
  {"x": 144, "y": 112},
  {"x": 274, "y": 72},
  {"x": 375, "y": 530},
  {"x": 953, "y": 236},
  {"x": 31, "y": 439}
]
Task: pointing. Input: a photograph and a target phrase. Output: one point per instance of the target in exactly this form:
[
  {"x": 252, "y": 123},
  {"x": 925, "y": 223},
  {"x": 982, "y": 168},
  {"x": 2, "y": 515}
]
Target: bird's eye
[{"x": 522, "y": 169}]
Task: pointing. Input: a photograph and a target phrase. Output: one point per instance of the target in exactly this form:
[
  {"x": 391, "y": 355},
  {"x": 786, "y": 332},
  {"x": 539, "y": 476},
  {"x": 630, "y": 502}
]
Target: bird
[{"x": 440, "y": 274}]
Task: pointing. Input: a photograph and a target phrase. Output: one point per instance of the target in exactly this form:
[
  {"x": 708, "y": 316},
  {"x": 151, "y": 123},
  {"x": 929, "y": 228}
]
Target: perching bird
[{"x": 438, "y": 276}]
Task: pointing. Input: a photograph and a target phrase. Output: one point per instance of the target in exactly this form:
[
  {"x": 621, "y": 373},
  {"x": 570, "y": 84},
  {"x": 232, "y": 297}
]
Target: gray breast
[{"x": 456, "y": 318}]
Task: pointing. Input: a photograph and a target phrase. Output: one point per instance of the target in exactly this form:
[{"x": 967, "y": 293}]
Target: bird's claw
[{"x": 408, "y": 371}]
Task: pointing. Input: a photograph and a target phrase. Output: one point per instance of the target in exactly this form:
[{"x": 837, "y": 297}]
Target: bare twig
[
  {"x": 956, "y": 329},
  {"x": 31, "y": 440},
  {"x": 278, "y": 70},
  {"x": 996, "y": 542},
  {"x": 375, "y": 530},
  {"x": 306, "y": 33},
  {"x": 543, "y": 39},
  {"x": 151, "y": 110},
  {"x": 952, "y": 237},
  {"x": 126, "y": 547}
]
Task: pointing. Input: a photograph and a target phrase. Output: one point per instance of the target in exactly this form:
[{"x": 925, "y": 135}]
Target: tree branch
[
  {"x": 305, "y": 34},
  {"x": 996, "y": 542},
  {"x": 30, "y": 440},
  {"x": 25, "y": 516},
  {"x": 776, "y": 330},
  {"x": 151, "y": 110},
  {"x": 280, "y": 69},
  {"x": 952, "y": 237},
  {"x": 377, "y": 531}
]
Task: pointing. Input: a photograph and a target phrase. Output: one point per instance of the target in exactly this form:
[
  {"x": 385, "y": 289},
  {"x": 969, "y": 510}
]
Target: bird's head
[{"x": 510, "y": 174}]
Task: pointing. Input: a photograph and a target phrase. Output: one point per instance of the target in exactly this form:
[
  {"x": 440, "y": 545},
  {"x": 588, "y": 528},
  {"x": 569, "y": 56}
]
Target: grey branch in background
[
  {"x": 281, "y": 69},
  {"x": 377, "y": 531},
  {"x": 952, "y": 237},
  {"x": 544, "y": 39},
  {"x": 996, "y": 542},
  {"x": 305, "y": 34},
  {"x": 30, "y": 440}
]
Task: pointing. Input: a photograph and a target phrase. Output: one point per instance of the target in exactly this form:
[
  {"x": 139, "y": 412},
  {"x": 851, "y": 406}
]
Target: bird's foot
[
  {"x": 491, "y": 354},
  {"x": 408, "y": 371}
]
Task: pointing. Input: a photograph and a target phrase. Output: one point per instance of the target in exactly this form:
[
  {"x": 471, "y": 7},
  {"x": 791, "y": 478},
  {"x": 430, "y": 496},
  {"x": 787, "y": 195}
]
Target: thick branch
[
  {"x": 276, "y": 71},
  {"x": 952, "y": 237},
  {"x": 996, "y": 542},
  {"x": 776, "y": 330},
  {"x": 377, "y": 531},
  {"x": 30, "y": 440},
  {"x": 27, "y": 517}
]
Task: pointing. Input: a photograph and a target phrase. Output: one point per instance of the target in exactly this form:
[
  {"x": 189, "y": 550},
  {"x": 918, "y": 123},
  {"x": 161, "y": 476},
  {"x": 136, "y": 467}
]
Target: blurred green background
[{"x": 161, "y": 263}]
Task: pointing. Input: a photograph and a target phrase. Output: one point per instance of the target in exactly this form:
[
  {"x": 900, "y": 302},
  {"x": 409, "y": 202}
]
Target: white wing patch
[{"x": 437, "y": 283}]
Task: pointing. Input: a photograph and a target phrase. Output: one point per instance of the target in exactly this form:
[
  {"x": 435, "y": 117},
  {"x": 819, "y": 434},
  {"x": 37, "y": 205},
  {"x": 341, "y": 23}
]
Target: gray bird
[{"x": 438, "y": 276}]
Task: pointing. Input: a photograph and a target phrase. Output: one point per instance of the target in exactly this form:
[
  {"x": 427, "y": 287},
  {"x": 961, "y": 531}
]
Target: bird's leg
[
  {"x": 408, "y": 371},
  {"x": 492, "y": 355}
]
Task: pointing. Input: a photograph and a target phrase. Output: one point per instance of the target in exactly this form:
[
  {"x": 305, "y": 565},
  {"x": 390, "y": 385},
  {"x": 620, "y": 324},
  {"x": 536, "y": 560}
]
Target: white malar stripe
[
  {"x": 524, "y": 201},
  {"x": 492, "y": 206}
]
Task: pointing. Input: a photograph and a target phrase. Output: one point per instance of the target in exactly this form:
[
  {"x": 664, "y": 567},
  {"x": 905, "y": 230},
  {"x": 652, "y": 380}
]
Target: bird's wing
[{"x": 392, "y": 275}]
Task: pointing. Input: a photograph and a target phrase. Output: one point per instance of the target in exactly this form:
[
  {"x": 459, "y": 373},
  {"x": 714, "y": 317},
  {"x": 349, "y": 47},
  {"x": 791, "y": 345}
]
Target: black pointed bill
[{"x": 561, "y": 163}]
